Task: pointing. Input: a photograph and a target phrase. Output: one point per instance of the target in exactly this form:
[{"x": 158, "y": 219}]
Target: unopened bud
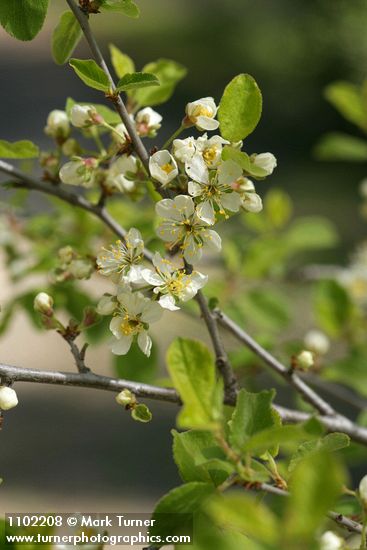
[
  {"x": 305, "y": 359},
  {"x": 8, "y": 398},
  {"x": 44, "y": 304},
  {"x": 83, "y": 116},
  {"x": 58, "y": 124},
  {"x": 125, "y": 398},
  {"x": 317, "y": 342}
]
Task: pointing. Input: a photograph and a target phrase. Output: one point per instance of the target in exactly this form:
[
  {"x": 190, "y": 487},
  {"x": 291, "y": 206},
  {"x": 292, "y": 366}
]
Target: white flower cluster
[
  {"x": 141, "y": 293},
  {"x": 114, "y": 169},
  {"x": 203, "y": 183}
]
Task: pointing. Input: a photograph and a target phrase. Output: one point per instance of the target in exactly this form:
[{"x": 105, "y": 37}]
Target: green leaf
[
  {"x": 65, "y": 37},
  {"x": 315, "y": 484},
  {"x": 111, "y": 117},
  {"x": 330, "y": 443},
  {"x": 18, "y": 149},
  {"x": 311, "y": 233},
  {"x": 136, "y": 366},
  {"x": 127, "y": 7},
  {"x": 91, "y": 74},
  {"x": 348, "y": 100},
  {"x": 169, "y": 74},
  {"x": 173, "y": 513},
  {"x": 253, "y": 414},
  {"x": 122, "y": 63},
  {"x": 278, "y": 208},
  {"x": 243, "y": 160},
  {"x": 136, "y": 80},
  {"x": 243, "y": 513},
  {"x": 23, "y": 19},
  {"x": 199, "y": 458},
  {"x": 240, "y": 108},
  {"x": 273, "y": 437},
  {"x": 141, "y": 413},
  {"x": 339, "y": 146},
  {"x": 333, "y": 307},
  {"x": 192, "y": 370}
]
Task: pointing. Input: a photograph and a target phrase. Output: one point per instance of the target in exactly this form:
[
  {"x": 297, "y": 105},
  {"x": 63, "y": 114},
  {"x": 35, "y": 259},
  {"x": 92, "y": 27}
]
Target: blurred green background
[{"x": 293, "y": 48}]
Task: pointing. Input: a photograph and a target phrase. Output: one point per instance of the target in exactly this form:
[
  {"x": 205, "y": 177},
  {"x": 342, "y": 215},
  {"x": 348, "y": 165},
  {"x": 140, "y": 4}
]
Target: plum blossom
[
  {"x": 250, "y": 200},
  {"x": 120, "y": 174},
  {"x": 83, "y": 116},
  {"x": 120, "y": 259},
  {"x": 163, "y": 167},
  {"x": 58, "y": 124},
  {"x": 266, "y": 161},
  {"x": 172, "y": 283},
  {"x": 201, "y": 113},
  {"x": 133, "y": 316},
  {"x": 331, "y": 541},
  {"x": 147, "y": 122},
  {"x": 211, "y": 149},
  {"x": 184, "y": 149},
  {"x": 213, "y": 189},
  {"x": 182, "y": 227},
  {"x": 80, "y": 171}
]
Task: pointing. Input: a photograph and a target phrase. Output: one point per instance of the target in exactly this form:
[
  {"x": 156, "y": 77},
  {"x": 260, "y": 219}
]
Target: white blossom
[
  {"x": 58, "y": 124},
  {"x": 331, "y": 541},
  {"x": 121, "y": 258},
  {"x": 201, "y": 113},
  {"x": 266, "y": 161},
  {"x": 134, "y": 314},
  {"x": 120, "y": 174},
  {"x": 147, "y": 122},
  {"x": 182, "y": 227},
  {"x": 106, "y": 305},
  {"x": 317, "y": 341},
  {"x": 79, "y": 171},
  {"x": 213, "y": 189},
  {"x": 250, "y": 200},
  {"x": 184, "y": 149},
  {"x": 43, "y": 303},
  {"x": 83, "y": 116},
  {"x": 163, "y": 167},
  {"x": 172, "y": 283},
  {"x": 211, "y": 149},
  {"x": 8, "y": 398}
]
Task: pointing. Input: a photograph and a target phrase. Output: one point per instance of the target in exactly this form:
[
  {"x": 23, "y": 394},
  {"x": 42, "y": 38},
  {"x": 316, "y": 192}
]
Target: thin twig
[
  {"x": 340, "y": 519},
  {"x": 79, "y": 355},
  {"x": 222, "y": 361},
  {"x": 79, "y": 201},
  {"x": 83, "y": 21},
  {"x": 90, "y": 380},
  {"x": 302, "y": 388}
]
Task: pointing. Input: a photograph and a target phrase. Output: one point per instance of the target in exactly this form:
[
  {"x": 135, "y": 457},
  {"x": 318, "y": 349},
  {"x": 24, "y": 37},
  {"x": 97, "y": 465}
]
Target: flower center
[
  {"x": 210, "y": 154},
  {"x": 176, "y": 285},
  {"x": 130, "y": 326},
  {"x": 202, "y": 111},
  {"x": 167, "y": 168}
]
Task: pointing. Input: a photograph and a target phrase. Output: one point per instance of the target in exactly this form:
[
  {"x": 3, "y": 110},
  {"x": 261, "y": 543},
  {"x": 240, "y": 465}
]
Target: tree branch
[
  {"x": 332, "y": 424},
  {"x": 12, "y": 374},
  {"x": 302, "y": 388},
  {"x": 73, "y": 199},
  {"x": 222, "y": 361},
  {"x": 340, "y": 519},
  {"x": 83, "y": 21}
]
